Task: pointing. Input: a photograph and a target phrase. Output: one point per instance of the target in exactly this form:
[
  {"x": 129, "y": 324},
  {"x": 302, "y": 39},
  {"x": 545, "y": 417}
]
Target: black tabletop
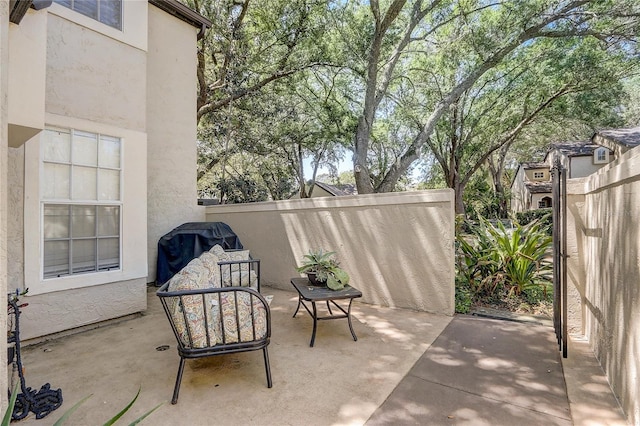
[{"x": 315, "y": 293}]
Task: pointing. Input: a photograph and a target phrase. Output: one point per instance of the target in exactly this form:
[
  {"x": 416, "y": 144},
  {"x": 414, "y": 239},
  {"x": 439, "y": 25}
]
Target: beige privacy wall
[
  {"x": 604, "y": 226},
  {"x": 398, "y": 248}
]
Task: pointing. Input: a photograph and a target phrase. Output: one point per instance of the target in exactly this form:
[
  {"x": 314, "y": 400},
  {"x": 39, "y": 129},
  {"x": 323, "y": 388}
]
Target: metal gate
[{"x": 559, "y": 206}]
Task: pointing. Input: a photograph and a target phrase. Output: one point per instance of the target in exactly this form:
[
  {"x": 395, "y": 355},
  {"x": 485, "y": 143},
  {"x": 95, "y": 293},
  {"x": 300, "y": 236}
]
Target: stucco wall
[
  {"x": 583, "y": 166},
  {"x": 519, "y": 194},
  {"x": 607, "y": 235},
  {"x": 4, "y": 131},
  {"x": 545, "y": 175},
  {"x": 171, "y": 129},
  {"x": 536, "y": 198},
  {"x": 398, "y": 248},
  {"x": 65, "y": 310},
  {"x": 576, "y": 268},
  {"x": 27, "y": 76},
  {"x": 98, "y": 84},
  {"x": 15, "y": 222},
  {"x": 93, "y": 77}
]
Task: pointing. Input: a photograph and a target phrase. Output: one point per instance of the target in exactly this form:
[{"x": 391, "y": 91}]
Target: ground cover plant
[{"x": 504, "y": 268}]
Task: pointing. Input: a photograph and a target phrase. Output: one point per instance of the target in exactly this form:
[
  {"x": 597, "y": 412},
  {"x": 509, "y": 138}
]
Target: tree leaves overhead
[{"x": 459, "y": 84}]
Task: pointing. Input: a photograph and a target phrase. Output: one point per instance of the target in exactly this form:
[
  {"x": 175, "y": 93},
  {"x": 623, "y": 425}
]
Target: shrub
[
  {"x": 464, "y": 298},
  {"x": 544, "y": 216},
  {"x": 493, "y": 257}
]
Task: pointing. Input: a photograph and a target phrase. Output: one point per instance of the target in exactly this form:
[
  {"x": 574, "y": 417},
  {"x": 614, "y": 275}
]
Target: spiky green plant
[
  {"x": 523, "y": 255},
  {"x": 326, "y": 268},
  {"x": 492, "y": 256}
]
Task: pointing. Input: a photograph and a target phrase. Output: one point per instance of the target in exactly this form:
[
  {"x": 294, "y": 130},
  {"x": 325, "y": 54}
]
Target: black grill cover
[{"x": 188, "y": 241}]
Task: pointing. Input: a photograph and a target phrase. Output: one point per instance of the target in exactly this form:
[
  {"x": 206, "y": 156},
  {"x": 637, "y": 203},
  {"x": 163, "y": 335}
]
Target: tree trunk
[{"x": 458, "y": 188}]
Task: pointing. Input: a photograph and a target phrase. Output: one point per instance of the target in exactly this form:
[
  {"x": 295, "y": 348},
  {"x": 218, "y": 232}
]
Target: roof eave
[{"x": 182, "y": 12}]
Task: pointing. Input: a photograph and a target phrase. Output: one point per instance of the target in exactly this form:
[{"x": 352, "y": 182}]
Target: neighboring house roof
[
  {"x": 348, "y": 188},
  {"x": 528, "y": 166},
  {"x": 629, "y": 137},
  {"x": 183, "y": 13},
  {"x": 173, "y": 7},
  {"x": 539, "y": 187},
  {"x": 576, "y": 149},
  {"x": 330, "y": 189}
]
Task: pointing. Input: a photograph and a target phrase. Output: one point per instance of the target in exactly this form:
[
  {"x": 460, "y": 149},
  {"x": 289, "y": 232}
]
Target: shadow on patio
[
  {"x": 407, "y": 367},
  {"x": 338, "y": 381}
]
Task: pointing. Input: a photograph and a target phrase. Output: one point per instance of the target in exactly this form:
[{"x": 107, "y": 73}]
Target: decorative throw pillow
[
  {"x": 194, "y": 276},
  {"x": 238, "y": 269},
  {"x": 210, "y": 262}
]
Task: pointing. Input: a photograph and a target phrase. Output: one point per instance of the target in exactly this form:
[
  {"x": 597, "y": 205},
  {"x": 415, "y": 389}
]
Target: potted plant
[{"x": 321, "y": 267}]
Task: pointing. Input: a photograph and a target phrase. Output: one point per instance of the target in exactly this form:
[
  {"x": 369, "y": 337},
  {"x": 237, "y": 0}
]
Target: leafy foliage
[
  {"x": 544, "y": 216},
  {"x": 493, "y": 257},
  {"x": 326, "y": 267},
  {"x": 458, "y": 86}
]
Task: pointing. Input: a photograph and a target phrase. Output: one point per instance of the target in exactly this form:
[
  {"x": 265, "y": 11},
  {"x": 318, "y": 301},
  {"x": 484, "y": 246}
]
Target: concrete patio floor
[{"x": 406, "y": 368}]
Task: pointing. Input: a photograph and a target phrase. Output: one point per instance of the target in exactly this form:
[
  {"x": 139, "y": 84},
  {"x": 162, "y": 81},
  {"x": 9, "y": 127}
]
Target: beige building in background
[
  {"x": 100, "y": 152},
  {"x": 531, "y": 186}
]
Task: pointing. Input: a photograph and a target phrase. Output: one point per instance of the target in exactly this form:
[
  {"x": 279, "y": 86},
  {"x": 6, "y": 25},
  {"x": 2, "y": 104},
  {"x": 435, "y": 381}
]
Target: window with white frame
[
  {"x": 601, "y": 156},
  {"x": 109, "y": 12},
  {"x": 538, "y": 175},
  {"x": 81, "y": 202}
]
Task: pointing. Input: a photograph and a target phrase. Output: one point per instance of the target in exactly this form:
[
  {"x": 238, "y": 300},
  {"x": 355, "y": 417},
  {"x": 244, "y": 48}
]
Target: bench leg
[
  {"x": 267, "y": 367},
  {"x": 176, "y": 389}
]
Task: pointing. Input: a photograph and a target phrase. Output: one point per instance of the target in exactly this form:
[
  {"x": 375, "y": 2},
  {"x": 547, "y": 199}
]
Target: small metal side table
[{"x": 313, "y": 294}]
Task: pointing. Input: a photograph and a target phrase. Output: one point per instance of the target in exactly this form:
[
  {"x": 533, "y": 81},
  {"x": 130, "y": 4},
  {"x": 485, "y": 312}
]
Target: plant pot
[{"x": 313, "y": 280}]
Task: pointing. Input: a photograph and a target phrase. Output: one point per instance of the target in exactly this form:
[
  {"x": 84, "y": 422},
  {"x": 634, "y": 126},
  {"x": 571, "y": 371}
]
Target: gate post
[{"x": 555, "y": 184}]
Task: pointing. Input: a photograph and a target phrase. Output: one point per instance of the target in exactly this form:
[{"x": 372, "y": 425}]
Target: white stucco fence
[
  {"x": 398, "y": 248},
  {"x": 604, "y": 267}
]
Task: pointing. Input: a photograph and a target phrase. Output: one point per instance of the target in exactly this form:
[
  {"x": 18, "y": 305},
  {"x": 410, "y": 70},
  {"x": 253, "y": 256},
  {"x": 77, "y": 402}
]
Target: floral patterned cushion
[
  {"x": 210, "y": 261},
  {"x": 194, "y": 276},
  {"x": 251, "y": 327},
  {"x": 241, "y": 279},
  {"x": 235, "y": 274},
  {"x": 202, "y": 273}
]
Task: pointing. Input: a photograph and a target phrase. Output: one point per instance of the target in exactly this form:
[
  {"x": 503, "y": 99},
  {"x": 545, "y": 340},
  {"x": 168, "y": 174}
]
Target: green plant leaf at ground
[
  {"x": 463, "y": 298},
  {"x": 495, "y": 264},
  {"x": 6, "y": 419},
  {"x": 65, "y": 416}
]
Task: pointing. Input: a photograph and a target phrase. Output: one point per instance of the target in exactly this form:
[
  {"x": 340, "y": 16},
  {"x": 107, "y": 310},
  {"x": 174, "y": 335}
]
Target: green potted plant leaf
[{"x": 321, "y": 267}]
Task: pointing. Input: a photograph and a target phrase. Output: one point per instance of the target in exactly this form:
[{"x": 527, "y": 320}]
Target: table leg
[
  {"x": 349, "y": 319},
  {"x": 315, "y": 324},
  {"x": 297, "y": 308}
]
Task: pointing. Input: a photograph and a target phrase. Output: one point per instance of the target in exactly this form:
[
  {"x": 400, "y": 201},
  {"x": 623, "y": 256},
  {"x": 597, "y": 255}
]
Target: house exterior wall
[
  {"x": 93, "y": 77},
  {"x": 4, "y": 211},
  {"x": 583, "y": 166},
  {"x": 171, "y": 129},
  {"x": 530, "y": 175},
  {"x": 96, "y": 82},
  {"x": 519, "y": 193},
  {"x": 27, "y": 68},
  {"x": 605, "y": 226},
  {"x": 398, "y": 248},
  {"x": 535, "y": 199}
]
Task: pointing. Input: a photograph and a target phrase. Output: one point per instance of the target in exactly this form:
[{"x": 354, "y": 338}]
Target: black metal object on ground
[
  {"x": 188, "y": 241},
  {"x": 41, "y": 402}
]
